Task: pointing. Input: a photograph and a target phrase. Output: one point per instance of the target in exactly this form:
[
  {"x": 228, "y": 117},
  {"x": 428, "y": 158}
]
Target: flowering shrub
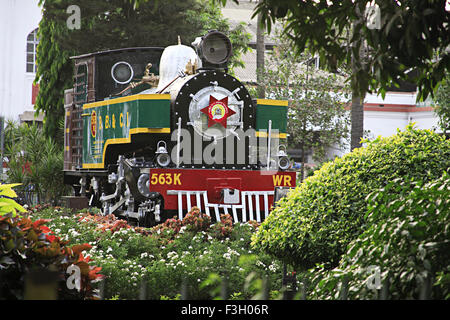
[
  {"x": 196, "y": 221},
  {"x": 169, "y": 255},
  {"x": 224, "y": 228},
  {"x": 26, "y": 246},
  {"x": 103, "y": 223}
]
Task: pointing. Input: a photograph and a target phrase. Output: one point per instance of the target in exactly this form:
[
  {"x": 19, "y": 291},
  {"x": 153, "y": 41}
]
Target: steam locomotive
[{"x": 151, "y": 132}]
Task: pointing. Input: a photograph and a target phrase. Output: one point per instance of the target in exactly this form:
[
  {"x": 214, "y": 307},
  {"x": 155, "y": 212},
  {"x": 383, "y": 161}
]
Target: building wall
[
  {"x": 384, "y": 117},
  {"x": 17, "y": 19},
  {"x": 396, "y": 111}
]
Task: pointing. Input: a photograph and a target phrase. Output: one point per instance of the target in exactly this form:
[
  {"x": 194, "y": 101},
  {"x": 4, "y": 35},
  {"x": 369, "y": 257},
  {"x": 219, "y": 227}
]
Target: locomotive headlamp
[
  {"x": 162, "y": 158},
  {"x": 283, "y": 160},
  {"x": 122, "y": 72},
  {"x": 214, "y": 49}
]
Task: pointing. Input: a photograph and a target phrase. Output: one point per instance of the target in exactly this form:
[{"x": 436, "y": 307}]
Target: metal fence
[
  {"x": 29, "y": 196},
  {"x": 289, "y": 290}
]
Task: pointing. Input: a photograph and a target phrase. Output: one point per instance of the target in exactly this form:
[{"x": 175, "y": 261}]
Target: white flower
[
  {"x": 144, "y": 255},
  {"x": 259, "y": 263},
  {"x": 273, "y": 268}
]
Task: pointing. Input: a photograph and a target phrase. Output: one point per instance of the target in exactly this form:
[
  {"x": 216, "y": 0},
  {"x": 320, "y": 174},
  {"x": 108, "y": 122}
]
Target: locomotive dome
[{"x": 173, "y": 60}]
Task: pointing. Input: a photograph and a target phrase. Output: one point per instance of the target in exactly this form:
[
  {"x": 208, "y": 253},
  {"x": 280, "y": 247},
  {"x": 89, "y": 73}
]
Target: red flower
[
  {"x": 40, "y": 222},
  {"x": 45, "y": 229},
  {"x": 51, "y": 238}
]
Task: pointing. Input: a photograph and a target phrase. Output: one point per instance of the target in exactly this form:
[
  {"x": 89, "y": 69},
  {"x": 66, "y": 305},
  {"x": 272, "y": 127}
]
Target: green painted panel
[
  {"x": 278, "y": 115},
  {"x": 114, "y": 121}
]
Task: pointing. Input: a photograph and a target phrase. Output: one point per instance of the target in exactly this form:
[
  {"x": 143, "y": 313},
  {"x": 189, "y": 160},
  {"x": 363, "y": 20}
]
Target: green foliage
[
  {"x": 34, "y": 160},
  {"x": 443, "y": 101},
  {"x": 7, "y": 204},
  {"x": 317, "y": 118},
  {"x": 408, "y": 241},
  {"x": 110, "y": 25},
  {"x": 209, "y": 17},
  {"x": 413, "y": 34},
  {"x": 54, "y": 73},
  {"x": 317, "y": 220}
]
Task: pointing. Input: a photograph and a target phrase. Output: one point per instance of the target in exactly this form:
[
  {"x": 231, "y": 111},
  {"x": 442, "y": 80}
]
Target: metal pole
[
  {"x": 178, "y": 141},
  {"x": 2, "y": 141},
  {"x": 268, "y": 144}
]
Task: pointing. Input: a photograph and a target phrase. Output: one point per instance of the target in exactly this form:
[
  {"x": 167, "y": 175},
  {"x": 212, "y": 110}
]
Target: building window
[{"x": 32, "y": 42}]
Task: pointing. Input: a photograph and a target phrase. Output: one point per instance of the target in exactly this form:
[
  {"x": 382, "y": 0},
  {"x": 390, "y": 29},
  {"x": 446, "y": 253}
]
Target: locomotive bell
[{"x": 214, "y": 49}]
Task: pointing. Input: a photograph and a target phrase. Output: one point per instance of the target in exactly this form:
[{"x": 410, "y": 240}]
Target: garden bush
[
  {"x": 317, "y": 220},
  {"x": 7, "y": 202},
  {"x": 193, "y": 253},
  {"x": 408, "y": 242},
  {"x": 28, "y": 247}
]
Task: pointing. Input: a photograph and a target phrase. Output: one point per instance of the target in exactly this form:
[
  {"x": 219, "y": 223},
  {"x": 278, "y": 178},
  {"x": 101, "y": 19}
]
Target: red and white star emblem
[{"x": 217, "y": 111}]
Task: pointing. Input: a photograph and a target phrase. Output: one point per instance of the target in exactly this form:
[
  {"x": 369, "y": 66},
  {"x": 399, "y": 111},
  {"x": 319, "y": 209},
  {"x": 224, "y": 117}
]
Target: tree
[
  {"x": 260, "y": 50},
  {"x": 35, "y": 161},
  {"x": 413, "y": 35},
  {"x": 443, "y": 101},
  {"x": 317, "y": 118},
  {"x": 114, "y": 24}
]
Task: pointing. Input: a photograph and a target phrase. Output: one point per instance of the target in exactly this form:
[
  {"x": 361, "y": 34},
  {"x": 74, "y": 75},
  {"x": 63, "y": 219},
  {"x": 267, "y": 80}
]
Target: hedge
[
  {"x": 317, "y": 220},
  {"x": 407, "y": 244}
]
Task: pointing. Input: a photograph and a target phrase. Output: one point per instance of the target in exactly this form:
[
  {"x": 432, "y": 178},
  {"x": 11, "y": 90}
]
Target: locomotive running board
[{"x": 245, "y": 196}]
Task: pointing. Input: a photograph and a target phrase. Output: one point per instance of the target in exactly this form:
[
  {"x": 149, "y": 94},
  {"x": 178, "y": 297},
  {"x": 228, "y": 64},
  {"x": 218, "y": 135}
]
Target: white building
[
  {"x": 19, "y": 20},
  {"x": 397, "y": 110}
]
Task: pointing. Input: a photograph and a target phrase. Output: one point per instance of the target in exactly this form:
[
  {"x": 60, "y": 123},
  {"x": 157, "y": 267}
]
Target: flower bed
[
  {"x": 30, "y": 247},
  {"x": 189, "y": 252}
]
